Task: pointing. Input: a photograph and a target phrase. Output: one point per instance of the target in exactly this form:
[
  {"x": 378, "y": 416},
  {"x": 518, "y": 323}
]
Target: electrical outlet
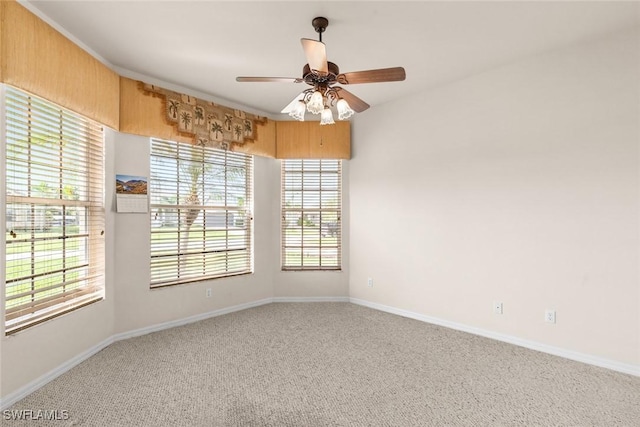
[
  {"x": 208, "y": 293},
  {"x": 550, "y": 316},
  {"x": 370, "y": 282},
  {"x": 497, "y": 307}
]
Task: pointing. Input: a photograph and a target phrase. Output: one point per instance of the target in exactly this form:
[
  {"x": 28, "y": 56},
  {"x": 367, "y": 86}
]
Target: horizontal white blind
[
  {"x": 54, "y": 210},
  {"x": 201, "y": 213},
  {"x": 311, "y": 214}
]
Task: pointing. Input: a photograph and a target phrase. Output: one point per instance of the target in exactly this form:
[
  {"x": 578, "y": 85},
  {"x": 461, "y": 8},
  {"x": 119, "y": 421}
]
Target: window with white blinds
[
  {"x": 54, "y": 210},
  {"x": 311, "y": 214},
  {"x": 201, "y": 213}
]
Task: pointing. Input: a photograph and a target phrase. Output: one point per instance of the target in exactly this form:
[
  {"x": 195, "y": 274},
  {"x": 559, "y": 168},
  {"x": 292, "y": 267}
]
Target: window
[
  {"x": 201, "y": 202},
  {"x": 54, "y": 211},
  {"x": 311, "y": 214}
]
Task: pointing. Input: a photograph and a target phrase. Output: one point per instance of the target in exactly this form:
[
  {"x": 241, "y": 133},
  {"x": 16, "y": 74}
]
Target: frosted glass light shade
[
  {"x": 316, "y": 103},
  {"x": 298, "y": 111},
  {"x": 326, "y": 118},
  {"x": 344, "y": 110}
]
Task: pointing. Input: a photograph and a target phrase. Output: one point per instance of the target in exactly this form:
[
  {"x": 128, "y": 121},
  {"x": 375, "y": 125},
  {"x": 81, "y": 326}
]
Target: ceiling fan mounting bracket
[{"x": 320, "y": 24}]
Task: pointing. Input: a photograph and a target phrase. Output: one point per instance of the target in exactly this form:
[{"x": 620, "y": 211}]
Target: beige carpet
[{"x": 331, "y": 364}]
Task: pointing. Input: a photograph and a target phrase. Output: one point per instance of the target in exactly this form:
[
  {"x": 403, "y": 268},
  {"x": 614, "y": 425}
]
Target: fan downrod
[{"x": 320, "y": 24}]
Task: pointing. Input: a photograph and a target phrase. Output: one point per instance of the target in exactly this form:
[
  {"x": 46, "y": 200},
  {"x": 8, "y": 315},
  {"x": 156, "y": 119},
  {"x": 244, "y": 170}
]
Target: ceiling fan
[{"x": 323, "y": 77}]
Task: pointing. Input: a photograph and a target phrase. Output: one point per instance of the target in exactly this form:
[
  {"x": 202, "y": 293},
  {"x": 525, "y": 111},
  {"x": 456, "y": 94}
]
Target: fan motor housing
[{"x": 312, "y": 78}]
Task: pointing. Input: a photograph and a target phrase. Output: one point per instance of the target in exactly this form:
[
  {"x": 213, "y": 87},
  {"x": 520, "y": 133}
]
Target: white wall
[{"x": 518, "y": 185}]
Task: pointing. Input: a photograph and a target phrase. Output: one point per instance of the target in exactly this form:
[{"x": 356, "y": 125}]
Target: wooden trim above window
[
  {"x": 38, "y": 59},
  {"x": 144, "y": 114},
  {"x": 310, "y": 140}
]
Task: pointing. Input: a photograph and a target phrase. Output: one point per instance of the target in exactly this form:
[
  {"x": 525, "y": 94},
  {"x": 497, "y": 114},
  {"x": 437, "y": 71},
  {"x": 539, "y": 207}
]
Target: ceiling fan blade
[
  {"x": 357, "y": 104},
  {"x": 316, "y": 55},
  {"x": 270, "y": 79},
  {"x": 394, "y": 74}
]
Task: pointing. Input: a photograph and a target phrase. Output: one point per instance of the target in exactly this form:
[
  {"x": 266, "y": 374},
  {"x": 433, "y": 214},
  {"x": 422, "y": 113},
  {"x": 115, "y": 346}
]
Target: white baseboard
[
  {"x": 51, "y": 375},
  {"x": 34, "y": 385},
  {"x": 533, "y": 345},
  {"x": 311, "y": 299},
  {"x": 190, "y": 319}
]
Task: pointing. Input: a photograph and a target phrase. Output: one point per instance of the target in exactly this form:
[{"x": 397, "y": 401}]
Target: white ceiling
[{"x": 203, "y": 45}]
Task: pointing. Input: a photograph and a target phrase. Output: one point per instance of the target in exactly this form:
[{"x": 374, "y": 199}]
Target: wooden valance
[
  {"x": 153, "y": 111},
  {"x": 38, "y": 59}
]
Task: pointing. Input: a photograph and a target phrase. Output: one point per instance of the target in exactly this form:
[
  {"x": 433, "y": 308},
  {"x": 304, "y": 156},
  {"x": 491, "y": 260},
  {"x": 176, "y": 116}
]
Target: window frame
[
  {"x": 67, "y": 259},
  {"x": 224, "y": 231},
  {"x": 301, "y": 219}
]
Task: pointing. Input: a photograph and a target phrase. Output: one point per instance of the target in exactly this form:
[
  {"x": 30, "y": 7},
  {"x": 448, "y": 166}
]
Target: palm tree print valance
[{"x": 209, "y": 124}]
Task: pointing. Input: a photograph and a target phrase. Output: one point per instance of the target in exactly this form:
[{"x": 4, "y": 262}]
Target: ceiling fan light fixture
[
  {"x": 298, "y": 111},
  {"x": 326, "y": 117},
  {"x": 316, "y": 103},
  {"x": 344, "y": 110},
  {"x": 321, "y": 76}
]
